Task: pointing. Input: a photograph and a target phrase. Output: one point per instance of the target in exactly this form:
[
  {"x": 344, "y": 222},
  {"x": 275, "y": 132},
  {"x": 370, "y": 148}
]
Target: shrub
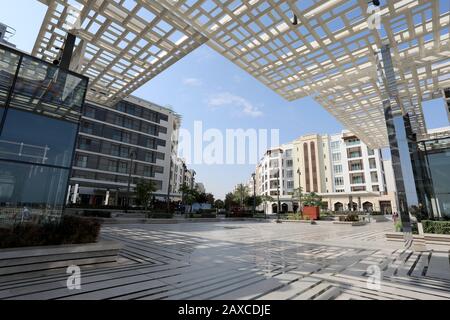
[
  {"x": 159, "y": 215},
  {"x": 70, "y": 230},
  {"x": 437, "y": 227},
  {"x": 352, "y": 217},
  {"x": 99, "y": 214},
  {"x": 398, "y": 226}
]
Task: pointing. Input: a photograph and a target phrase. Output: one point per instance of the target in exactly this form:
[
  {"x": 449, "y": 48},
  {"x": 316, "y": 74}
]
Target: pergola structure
[
  {"x": 330, "y": 54},
  {"x": 121, "y": 44}
]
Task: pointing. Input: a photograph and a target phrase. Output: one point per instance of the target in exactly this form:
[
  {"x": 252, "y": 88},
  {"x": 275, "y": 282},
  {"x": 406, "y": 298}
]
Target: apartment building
[
  {"x": 181, "y": 175},
  {"x": 117, "y": 146},
  {"x": 339, "y": 167},
  {"x": 275, "y": 177}
]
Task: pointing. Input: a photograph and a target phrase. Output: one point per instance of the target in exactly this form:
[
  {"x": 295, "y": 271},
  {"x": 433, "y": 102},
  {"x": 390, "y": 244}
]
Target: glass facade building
[
  {"x": 431, "y": 163},
  {"x": 120, "y": 145},
  {"x": 40, "y": 109}
]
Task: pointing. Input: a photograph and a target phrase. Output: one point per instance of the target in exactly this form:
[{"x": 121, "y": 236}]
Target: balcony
[
  {"x": 355, "y": 165},
  {"x": 354, "y": 152},
  {"x": 357, "y": 178}
]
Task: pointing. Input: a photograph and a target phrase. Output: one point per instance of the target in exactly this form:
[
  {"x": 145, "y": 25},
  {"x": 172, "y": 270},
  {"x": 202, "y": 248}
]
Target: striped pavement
[{"x": 250, "y": 260}]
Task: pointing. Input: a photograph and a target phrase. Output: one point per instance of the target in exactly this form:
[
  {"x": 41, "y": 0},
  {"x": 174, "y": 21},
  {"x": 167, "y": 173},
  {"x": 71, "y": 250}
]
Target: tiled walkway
[{"x": 243, "y": 260}]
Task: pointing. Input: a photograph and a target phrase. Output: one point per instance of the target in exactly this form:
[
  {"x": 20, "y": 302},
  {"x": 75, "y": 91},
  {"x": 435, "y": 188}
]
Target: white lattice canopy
[
  {"x": 331, "y": 54},
  {"x": 121, "y": 44}
]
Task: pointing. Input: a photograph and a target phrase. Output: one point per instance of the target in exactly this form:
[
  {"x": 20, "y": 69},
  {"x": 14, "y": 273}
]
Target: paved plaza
[{"x": 250, "y": 260}]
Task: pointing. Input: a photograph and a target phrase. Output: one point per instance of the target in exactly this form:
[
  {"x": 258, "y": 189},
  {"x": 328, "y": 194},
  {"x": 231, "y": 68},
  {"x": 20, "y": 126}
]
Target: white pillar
[
  {"x": 68, "y": 194},
  {"x": 107, "y": 198},
  {"x": 75, "y": 193}
]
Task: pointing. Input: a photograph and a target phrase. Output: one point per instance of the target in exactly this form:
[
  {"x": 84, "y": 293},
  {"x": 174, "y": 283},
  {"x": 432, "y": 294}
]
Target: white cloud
[
  {"x": 226, "y": 99},
  {"x": 193, "y": 82}
]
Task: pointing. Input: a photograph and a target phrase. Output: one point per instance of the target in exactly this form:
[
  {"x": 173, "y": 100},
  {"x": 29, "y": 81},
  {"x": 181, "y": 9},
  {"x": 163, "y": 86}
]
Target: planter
[
  {"x": 351, "y": 223},
  {"x": 312, "y": 212},
  {"x": 21, "y": 261}
]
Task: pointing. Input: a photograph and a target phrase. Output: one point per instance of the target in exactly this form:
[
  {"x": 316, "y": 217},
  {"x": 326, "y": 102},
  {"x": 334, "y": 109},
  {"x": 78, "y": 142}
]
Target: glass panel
[
  {"x": 8, "y": 67},
  {"x": 37, "y": 139},
  {"x": 31, "y": 192},
  {"x": 46, "y": 89}
]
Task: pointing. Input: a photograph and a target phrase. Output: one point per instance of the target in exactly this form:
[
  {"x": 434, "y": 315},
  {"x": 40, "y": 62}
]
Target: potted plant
[{"x": 311, "y": 205}]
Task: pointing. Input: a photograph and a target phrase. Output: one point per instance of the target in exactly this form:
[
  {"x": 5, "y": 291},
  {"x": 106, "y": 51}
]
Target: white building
[{"x": 342, "y": 169}]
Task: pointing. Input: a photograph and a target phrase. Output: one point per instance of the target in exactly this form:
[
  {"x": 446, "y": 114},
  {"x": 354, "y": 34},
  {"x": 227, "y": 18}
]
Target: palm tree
[{"x": 241, "y": 193}]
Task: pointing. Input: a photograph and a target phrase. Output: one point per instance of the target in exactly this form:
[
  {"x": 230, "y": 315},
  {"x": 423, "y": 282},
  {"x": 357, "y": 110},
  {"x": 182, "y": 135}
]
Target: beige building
[{"x": 341, "y": 168}]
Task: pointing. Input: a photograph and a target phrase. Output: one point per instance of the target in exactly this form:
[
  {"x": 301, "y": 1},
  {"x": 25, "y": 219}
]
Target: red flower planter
[{"x": 312, "y": 212}]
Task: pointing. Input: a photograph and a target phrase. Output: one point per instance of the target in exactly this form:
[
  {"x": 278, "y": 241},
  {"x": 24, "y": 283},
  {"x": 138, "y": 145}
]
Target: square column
[{"x": 400, "y": 138}]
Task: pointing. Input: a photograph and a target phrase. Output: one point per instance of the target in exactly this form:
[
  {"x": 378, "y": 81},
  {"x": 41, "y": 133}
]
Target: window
[
  {"x": 128, "y": 123},
  {"x": 150, "y": 157},
  {"x": 87, "y": 127},
  {"x": 372, "y": 163},
  {"x": 115, "y": 150},
  {"x": 123, "y": 167},
  {"x": 374, "y": 177},
  {"x": 273, "y": 163},
  {"x": 126, "y": 137},
  {"x": 335, "y": 145},
  {"x": 290, "y": 184},
  {"x": 81, "y": 161},
  {"x": 37, "y": 187},
  {"x": 370, "y": 152},
  {"x": 289, "y": 153},
  {"x": 339, "y": 181},
  {"x": 289, "y": 163},
  {"x": 336, "y": 157},
  {"x": 375, "y": 188},
  {"x": 112, "y": 165},
  {"x": 28, "y": 137},
  {"x": 147, "y": 171},
  {"x": 116, "y": 135},
  {"x": 89, "y": 112},
  {"x": 289, "y": 173},
  {"x": 124, "y": 152},
  {"x": 337, "y": 168}
]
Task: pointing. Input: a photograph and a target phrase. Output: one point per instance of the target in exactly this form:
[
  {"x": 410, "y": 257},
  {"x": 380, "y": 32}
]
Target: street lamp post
[
  {"x": 254, "y": 193},
  {"x": 278, "y": 198},
  {"x": 299, "y": 190},
  {"x": 132, "y": 155}
]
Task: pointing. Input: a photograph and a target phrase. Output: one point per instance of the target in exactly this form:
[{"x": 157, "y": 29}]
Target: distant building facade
[
  {"x": 339, "y": 167},
  {"x": 117, "y": 146}
]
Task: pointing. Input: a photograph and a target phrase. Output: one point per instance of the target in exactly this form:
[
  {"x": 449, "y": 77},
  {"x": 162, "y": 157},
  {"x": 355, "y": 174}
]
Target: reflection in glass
[
  {"x": 8, "y": 67},
  {"x": 39, "y": 189},
  {"x": 32, "y": 138},
  {"x": 46, "y": 89}
]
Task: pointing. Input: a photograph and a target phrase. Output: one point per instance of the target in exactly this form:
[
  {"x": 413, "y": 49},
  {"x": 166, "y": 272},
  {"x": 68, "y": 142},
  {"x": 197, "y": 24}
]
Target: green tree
[
  {"x": 210, "y": 199},
  {"x": 219, "y": 204},
  {"x": 230, "y": 201},
  {"x": 241, "y": 193},
  {"x": 312, "y": 200},
  {"x": 249, "y": 201},
  {"x": 201, "y": 197},
  {"x": 144, "y": 191}
]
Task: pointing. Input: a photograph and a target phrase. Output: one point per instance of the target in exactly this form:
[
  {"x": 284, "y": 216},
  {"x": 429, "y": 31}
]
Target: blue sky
[{"x": 204, "y": 86}]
